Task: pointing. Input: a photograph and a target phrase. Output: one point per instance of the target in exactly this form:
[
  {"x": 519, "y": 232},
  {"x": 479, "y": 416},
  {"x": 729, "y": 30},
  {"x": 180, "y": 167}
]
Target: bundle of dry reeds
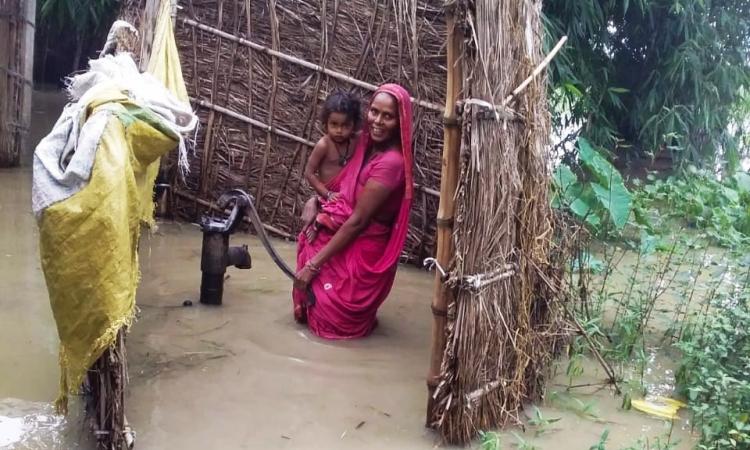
[
  {"x": 502, "y": 324},
  {"x": 259, "y": 113},
  {"x": 16, "y": 59},
  {"x": 104, "y": 391}
]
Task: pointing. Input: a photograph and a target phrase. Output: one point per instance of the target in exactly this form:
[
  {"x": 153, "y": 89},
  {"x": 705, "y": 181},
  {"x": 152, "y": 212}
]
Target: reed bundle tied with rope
[
  {"x": 16, "y": 59},
  {"x": 502, "y": 322},
  {"x": 257, "y": 72}
]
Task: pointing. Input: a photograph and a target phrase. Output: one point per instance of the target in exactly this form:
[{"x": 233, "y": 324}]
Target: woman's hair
[{"x": 341, "y": 102}]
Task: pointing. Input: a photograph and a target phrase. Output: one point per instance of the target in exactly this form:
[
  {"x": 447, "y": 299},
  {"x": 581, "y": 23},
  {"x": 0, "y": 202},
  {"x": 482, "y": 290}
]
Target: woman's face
[{"x": 382, "y": 118}]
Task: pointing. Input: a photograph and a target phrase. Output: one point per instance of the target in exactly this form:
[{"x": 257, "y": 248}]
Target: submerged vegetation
[{"x": 660, "y": 265}]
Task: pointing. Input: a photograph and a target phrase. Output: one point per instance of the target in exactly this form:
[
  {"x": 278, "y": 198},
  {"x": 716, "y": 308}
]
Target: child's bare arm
[{"x": 313, "y": 162}]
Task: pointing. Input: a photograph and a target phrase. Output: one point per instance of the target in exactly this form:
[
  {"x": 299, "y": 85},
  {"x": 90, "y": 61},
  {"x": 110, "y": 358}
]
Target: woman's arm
[
  {"x": 313, "y": 163},
  {"x": 373, "y": 195}
]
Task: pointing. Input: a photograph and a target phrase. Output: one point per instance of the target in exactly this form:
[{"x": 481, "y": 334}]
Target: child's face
[{"x": 339, "y": 127}]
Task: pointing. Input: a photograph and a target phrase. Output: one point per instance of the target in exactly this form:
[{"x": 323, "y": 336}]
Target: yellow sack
[
  {"x": 88, "y": 242},
  {"x": 164, "y": 65}
]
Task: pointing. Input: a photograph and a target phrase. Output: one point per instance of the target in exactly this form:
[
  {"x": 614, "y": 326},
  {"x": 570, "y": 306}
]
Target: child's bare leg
[
  {"x": 309, "y": 211},
  {"x": 311, "y": 232}
]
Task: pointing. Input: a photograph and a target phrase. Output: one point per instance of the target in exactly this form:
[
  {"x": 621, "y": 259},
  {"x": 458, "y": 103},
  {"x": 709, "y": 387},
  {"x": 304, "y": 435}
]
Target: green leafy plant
[
  {"x": 490, "y": 440},
  {"x": 660, "y": 443},
  {"x": 523, "y": 444},
  {"x": 597, "y": 195},
  {"x": 540, "y": 423},
  {"x": 602, "y": 440},
  {"x": 720, "y": 208},
  {"x": 714, "y": 373}
]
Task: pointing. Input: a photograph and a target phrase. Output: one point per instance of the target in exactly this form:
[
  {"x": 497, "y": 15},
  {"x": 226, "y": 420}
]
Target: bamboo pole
[
  {"x": 446, "y": 208},
  {"x": 207, "y": 166},
  {"x": 288, "y": 58},
  {"x": 271, "y": 100},
  {"x": 539, "y": 68},
  {"x": 147, "y": 29},
  {"x": 6, "y": 40},
  {"x": 250, "y": 87},
  {"x": 251, "y": 121}
]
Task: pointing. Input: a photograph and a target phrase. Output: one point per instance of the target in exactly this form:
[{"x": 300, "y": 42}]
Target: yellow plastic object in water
[
  {"x": 662, "y": 407},
  {"x": 89, "y": 241}
]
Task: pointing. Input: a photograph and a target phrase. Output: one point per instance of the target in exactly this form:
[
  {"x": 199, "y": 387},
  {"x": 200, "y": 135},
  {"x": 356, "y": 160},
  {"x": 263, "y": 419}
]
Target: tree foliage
[
  {"x": 653, "y": 74},
  {"x": 80, "y": 19}
]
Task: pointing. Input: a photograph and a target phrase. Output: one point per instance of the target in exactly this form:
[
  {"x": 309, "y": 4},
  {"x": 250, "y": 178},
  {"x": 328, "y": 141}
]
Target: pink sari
[{"x": 353, "y": 284}]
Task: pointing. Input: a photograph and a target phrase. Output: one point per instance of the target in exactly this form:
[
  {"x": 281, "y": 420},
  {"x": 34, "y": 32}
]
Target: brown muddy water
[{"x": 244, "y": 375}]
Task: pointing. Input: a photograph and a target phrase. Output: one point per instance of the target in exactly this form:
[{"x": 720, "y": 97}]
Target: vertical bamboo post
[
  {"x": 27, "y": 68},
  {"x": 275, "y": 45},
  {"x": 250, "y": 87},
  {"x": 7, "y": 39},
  {"x": 147, "y": 29},
  {"x": 16, "y": 67},
  {"x": 446, "y": 207}
]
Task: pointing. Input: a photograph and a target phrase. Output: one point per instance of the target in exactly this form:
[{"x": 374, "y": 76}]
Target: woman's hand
[{"x": 303, "y": 278}]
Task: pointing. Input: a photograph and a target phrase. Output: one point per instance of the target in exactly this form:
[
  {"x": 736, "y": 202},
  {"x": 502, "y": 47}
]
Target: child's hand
[{"x": 332, "y": 196}]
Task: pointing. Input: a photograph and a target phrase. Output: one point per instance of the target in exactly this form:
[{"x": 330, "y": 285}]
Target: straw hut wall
[
  {"x": 16, "y": 64},
  {"x": 503, "y": 325},
  {"x": 257, "y": 71}
]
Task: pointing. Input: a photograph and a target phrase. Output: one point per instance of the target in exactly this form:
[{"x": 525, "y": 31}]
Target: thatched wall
[
  {"x": 16, "y": 62},
  {"x": 232, "y": 84},
  {"x": 504, "y": 321}
]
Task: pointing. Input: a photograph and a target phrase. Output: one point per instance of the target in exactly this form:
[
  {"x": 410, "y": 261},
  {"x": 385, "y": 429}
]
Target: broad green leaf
[
  {"x": 615, "y": 200},
  {"x": 743, "y": 181},
  {"x": 604, "y": 172},
  {"x": 731, "y": 194},
  {"x": 582, "y": 203},
  {"x": 563, "y": 178}
]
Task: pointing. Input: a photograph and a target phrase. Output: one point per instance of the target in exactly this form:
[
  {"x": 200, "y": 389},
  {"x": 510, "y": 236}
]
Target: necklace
[{"x": 344, "y": 158}]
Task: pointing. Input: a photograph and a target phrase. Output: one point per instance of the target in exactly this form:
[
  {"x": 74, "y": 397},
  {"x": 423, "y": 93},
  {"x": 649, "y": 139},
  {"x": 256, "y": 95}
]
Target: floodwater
[{"x": 244, "y": 375}]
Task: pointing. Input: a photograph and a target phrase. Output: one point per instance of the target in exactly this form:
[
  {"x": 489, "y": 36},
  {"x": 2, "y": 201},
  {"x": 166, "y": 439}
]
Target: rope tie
[{"x": 472, "y": 282}]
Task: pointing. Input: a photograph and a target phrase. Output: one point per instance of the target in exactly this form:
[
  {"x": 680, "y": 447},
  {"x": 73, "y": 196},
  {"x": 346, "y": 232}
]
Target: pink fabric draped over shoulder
[{"x": 353, "y": 284}]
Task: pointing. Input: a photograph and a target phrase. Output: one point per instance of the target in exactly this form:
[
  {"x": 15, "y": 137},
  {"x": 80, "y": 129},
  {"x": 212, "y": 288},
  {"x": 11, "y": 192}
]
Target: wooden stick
[
  {"x": 216, "y": 207},
  {"x": 446, "y": 209},
  {"x": 283, "y": 56},
  {"x": 207, "y": 153},
  {"x": 545, "y": 62},
  {"x": 252, "y": 121},
  {"x": 250, "y": 86},
  {"x": 271, "y": 101},
  {"x": 607, "y": 368}
]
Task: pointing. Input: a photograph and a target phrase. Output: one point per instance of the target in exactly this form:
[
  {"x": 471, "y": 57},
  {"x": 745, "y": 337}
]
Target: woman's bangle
[{"x": 313, "y": 268}]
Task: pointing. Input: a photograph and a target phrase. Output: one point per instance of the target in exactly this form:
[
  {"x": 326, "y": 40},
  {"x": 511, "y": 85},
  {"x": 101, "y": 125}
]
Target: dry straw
[{"x": 502, "y": 327}]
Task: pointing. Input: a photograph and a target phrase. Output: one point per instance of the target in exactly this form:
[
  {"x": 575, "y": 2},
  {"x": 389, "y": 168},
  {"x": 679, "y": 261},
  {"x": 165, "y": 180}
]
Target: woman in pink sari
[{"x": 350, "y": 265}]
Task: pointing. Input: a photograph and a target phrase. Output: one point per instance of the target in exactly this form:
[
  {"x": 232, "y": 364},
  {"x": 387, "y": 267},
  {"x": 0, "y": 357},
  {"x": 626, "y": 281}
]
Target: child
[{"x": 340, "y": 117}]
